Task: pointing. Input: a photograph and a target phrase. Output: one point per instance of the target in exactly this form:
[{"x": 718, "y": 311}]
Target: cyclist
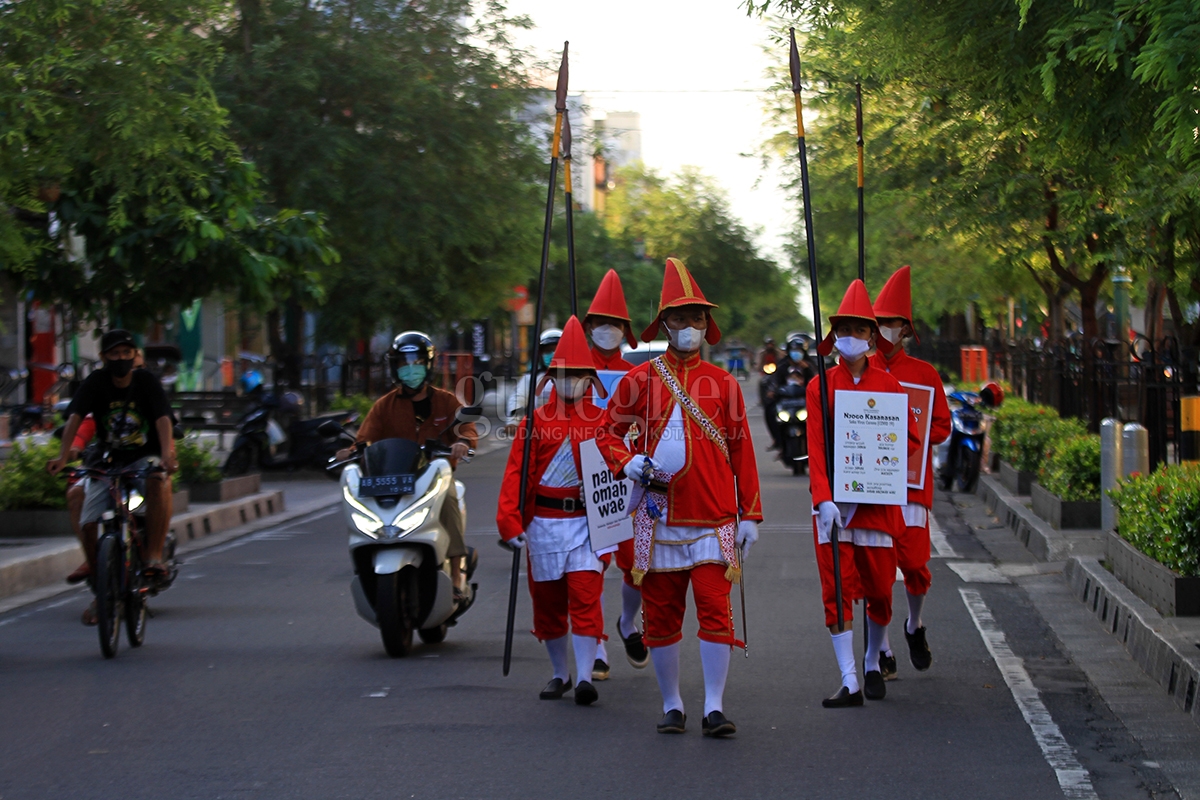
[{"x": 133, "y": 420}]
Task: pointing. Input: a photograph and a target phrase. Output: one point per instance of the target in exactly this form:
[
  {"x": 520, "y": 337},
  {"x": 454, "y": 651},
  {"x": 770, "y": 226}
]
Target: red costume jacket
[
  {"x": 614, "y": 362},
  {"x": 703, "y": 492},
  {"x": 888, "y": 519},
  {"x": 907, "y": 369},
  {"x": 552, "y": 423}
]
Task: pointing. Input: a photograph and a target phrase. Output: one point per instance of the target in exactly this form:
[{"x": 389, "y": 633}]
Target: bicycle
[{"x": 120, "y": 582}]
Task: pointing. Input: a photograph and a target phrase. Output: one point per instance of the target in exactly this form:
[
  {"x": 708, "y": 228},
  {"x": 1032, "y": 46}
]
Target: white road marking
[
  {"x": 283, "y": 531},
  {"x": 1072, "y": 777},
  {"x": 975, "y": 572},
  {"x": 938, "y": 543},
  {"x": 381, "y": 693},
  {"x": 57, "y": 603}
]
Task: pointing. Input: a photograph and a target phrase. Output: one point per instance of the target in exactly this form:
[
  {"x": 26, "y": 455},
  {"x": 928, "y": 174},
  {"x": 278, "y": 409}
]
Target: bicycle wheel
[
  {"x": 109, "y": 566},
  {"x": 135, "y": 602}
]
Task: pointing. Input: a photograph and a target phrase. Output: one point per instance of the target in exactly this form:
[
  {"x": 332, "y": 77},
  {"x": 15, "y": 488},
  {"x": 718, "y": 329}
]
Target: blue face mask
[
  {"x": 411, "y": 375},
  {"x": 547, "y": 358},
  {"x": 795, "y": 355}
]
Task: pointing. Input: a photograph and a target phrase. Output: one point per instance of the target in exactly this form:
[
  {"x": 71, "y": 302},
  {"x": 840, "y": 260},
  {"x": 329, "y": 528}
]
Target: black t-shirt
[{"x": 124, "y": 417}]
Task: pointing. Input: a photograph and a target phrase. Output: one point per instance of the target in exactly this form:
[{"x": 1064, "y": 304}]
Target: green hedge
[
  {"x": 24, "y": 482},
  {"x": 1072, "y": 468},
  {"x": 355, "y": 402},
  {"x": 197, "y": 464},
  {"x": 1023, "y": 432},
  {"x": 1159, "y": 514}
]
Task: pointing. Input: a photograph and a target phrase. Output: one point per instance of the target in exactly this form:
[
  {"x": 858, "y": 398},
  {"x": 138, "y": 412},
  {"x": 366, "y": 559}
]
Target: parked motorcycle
[
  {"x": 272, "y": 435},
  {"x": 392, "y": 496},
  {"x": 957, "y": 460}
]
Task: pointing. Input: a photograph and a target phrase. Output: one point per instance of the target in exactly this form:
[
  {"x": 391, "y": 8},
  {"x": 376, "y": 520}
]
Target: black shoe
[
  {"x": 599, "y": 671},
  {"x": 873, "y": 686},
  {"x": 672, "y": 722},
  {"x": 716, "y": 726},
  {"x": 555, "y": 689},
  {"x": 887, "y": 666},
  {"x": 585, "y": 694},
  {"x": 843, "y": 699},
  {"x": 635, "y": 649},
  {"x": 918, "y": 648}
]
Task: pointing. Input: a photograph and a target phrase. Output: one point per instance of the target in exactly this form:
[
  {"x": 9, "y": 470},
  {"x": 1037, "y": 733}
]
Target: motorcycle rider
[
  {"x": 793, "y": 368},
  {"x": 514, "y": 409},
  {"x": 419, "y": 411}
]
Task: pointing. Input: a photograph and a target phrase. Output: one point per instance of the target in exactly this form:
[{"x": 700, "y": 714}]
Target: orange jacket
[
  {"x": 393, "y": 417},
  {"x": 703, "y": 492},
  {"x": 552, "y": 423},
  {"x": 907, "y": 369},
  {"x": 888, "y": 519}
]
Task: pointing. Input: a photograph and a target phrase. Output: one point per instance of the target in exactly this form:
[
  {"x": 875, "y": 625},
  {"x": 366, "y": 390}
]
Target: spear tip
[
  {"x": 794, "y": 62},
  {"x": 560, "y": 91},
  {"x": 566, "y": 136}
]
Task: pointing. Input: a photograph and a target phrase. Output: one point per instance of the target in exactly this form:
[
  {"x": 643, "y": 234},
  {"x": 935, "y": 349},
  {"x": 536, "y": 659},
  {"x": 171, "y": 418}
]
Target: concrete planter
[
  {"x": 1016, "y": 481},
  {"x": 1065, "y": 516},
  {"x": 179, "y": 501},
  {"x": 34, "y": 522},
  {"x": 1162, "y": 588},
  {"x": 227, "y": 489}
]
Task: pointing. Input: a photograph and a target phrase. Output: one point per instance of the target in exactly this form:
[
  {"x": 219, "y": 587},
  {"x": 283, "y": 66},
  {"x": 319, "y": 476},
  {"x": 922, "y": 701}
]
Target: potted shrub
[
  {"x": 1067, "y": 492},
  {"x": 1021, "y": 435},
  {"x": 1156, "y": 548},
  {"x": 32, "y": 502},
  {"x": 200, "y": 471}
]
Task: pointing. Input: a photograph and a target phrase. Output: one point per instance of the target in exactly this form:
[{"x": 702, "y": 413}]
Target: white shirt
[{"x": 560, "y": 545}]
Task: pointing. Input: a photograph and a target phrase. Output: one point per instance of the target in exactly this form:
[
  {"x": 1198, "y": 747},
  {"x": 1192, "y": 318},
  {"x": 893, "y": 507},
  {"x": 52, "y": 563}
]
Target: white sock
[
  {"x": 886, "y": 646},
  {"x": 631, "y": 603},
  {"x": 666, "y": 669},
  {"x": 876, "y": 634},
  {"x": 601, "y": 652},
  {"x": 915, "y": 603},
  {"x": 585, "y": 655},
  {"x": 557, "y": 648},
  {"x": 714, "y": 657},
  {"x": 843, "y": 648}
]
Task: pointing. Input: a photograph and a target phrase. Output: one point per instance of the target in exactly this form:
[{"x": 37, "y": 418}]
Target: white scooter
[{"x": 392, "y": 496}]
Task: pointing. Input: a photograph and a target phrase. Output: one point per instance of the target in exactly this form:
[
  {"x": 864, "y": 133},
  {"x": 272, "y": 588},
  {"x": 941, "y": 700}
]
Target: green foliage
[
  {"x": 1159, "y": 514},
  {"x": 197, "y": 464},
  {"x": 1072, "y": 468},
  {"x": 1023, "y": 432},
  {"x": 24, "y": 482},
  {"x": 360, "y": 403}
]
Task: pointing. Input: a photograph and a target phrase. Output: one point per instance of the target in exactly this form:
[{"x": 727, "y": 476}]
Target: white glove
[
  {"x": 747, "y": 535},
  {"x": 827, "y": 514},
  {"x": 633, "y": 470},
  {"x": 514, "y": 544}
]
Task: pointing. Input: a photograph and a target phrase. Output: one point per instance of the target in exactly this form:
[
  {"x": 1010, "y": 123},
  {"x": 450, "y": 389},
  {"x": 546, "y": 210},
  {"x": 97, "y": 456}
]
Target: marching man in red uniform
[
  {"x": 893, "y": 310},
  {"x": 865, "y": 530},
  {"x": 565, "y": 576},
  {"x": 607, "y": 323},
  {"x": 699, "y": 505}
]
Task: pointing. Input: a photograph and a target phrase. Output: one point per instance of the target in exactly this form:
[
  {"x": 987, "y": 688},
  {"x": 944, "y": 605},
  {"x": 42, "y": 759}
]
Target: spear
[
  {"x": 826, "y": 409},
  {"x": 560, "y": 107},
  {"x": 566, "y": 157},
  {"x": 862, "y": 242}
]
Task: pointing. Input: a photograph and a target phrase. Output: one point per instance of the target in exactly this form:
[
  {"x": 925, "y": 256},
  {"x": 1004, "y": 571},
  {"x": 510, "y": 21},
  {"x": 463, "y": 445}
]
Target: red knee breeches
[
  {"x": 912, "y": 556},
  {"x": 867, "y": 572},
  {"x": 573, "y": 598},
  {"x": 664, "y": 601}
]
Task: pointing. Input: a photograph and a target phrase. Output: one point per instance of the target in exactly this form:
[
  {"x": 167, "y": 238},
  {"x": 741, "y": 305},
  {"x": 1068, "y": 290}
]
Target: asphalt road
[{"x": 258, "y": 680}]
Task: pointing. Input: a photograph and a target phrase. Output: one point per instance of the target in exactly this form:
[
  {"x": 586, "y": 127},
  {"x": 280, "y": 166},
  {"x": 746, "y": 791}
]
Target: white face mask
[
  {"x": 891, "y": 334},
  {"x": 851, "y": 348},
  {"x": 571, "y": 388},
  {"x": 607, "y": 337},
  {"x": 686, "y": 340}
]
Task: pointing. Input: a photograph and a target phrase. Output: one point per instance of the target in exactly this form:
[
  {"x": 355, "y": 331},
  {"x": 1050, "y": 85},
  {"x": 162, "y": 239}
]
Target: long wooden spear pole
[
  {"x": 566, "y": 157},
  {"x": 826, "y": 406},
  {"x": 560, "y": 107},
  {"x": 858, "y": 129}
]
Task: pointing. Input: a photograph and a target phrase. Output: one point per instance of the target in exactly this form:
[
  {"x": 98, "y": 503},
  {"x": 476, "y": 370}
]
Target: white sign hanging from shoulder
[
  {"x": 870, "y": 447},
  {"x": 606, "y": 498}
]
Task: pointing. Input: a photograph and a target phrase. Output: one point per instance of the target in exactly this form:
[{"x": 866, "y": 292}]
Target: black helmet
[{"x": 411, "y": 347}]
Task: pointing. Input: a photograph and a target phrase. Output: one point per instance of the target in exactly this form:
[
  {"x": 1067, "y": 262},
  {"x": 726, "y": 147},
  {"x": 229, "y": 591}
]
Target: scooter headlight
[
  {"x": 369, "y": 525},
  {"x": 410, "y": 520},
  {"x": 783, "y": 415},
  {"x": 802, "y": 414}
]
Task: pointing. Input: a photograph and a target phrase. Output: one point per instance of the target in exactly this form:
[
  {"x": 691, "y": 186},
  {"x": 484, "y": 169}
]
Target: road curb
[{"x": 1038, "y": 536}]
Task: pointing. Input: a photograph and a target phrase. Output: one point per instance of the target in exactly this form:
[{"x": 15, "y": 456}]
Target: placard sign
[
  {"x": 870, "y": 447},
  {"x": 920, "y": 399},
  {"x": 606, "y": 498}
]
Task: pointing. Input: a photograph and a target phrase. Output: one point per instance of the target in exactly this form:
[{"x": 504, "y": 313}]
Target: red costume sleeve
[
  {"x": 508, "y": 514},
  {"x": 818, "y": 476},
  {"x": 741, "y": 455},
  {"x": 939, "y": 428},
  {"x": 626, "y": 404},
  {"x": 84, "y": 433}
]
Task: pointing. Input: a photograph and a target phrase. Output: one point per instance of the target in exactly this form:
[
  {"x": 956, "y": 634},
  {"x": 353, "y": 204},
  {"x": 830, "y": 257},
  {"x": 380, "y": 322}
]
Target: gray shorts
[{"x": 96, "y": 496}]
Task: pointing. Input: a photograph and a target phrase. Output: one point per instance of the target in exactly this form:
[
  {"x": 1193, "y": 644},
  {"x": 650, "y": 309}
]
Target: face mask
[
  {"x": 891, "y": 334},
  {"x": 686, "y": 340},
  {"x": 607, "y": 337},
  {"x": 547, "y": 358},
  {"x": 796, "y": 355},
  {"x": 850, "y": 347},
  {"x": 411, "y": 375},
  {"x": 571, "y": 388},
  {"x": 120, "y": 367}
]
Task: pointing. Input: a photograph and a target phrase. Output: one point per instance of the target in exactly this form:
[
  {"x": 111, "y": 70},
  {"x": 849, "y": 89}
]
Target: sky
[{"x": 651, "y": 56}]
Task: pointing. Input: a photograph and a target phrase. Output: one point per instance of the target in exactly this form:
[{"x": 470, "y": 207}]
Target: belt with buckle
[
  {"x": 566, "y": 504},
  {"x": 658, "y": 486}
]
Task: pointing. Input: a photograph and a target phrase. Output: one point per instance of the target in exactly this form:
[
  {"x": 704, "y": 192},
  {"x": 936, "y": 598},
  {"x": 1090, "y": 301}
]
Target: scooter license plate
[{"x": 380, "y": 485}]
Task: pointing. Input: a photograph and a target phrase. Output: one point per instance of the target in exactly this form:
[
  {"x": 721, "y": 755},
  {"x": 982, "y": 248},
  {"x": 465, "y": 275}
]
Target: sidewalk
[{"x": 34, "y": 569}]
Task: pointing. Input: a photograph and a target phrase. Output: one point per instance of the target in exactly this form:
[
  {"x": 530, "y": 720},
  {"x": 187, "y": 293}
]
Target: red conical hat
[
  {"x": 680, "y": 289},
  {"x": 572, "y": 353},
  {"x": 895, "y": 298},
  {"x": 610, "y": 302},
  {"x": 856, "y": 304}
]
